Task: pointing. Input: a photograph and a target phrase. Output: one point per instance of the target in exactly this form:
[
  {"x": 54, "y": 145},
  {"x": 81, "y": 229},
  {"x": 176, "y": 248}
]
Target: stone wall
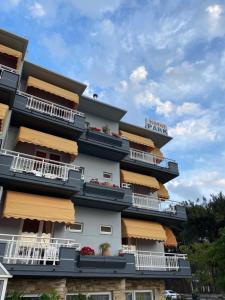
[{"x": 116, "y": 287}]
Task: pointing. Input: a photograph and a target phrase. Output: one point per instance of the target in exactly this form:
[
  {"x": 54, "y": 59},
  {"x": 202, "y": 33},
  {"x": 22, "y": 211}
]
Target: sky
[{"x": 164, "y": 60}]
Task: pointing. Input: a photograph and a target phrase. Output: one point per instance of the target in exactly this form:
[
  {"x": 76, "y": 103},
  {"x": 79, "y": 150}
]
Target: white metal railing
[
  {"x": 40, "y": 167},
  {"x": 150, "y": 158},
  {"x": 6, "y": 68},
  {"x": 49, "y": 108},
  {"x": 155, "y": 261},
  {"x": 30, "y": 249},
  {"x": 153, "y": 203}
]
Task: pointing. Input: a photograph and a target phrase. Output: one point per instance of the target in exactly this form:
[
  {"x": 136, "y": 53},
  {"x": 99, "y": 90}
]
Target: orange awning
[
  {"x": 53, "y": 89},
  {"x": 141, "y": 229},
  {"x": 3, "y": 113},
  {"x": 27, "y": 135},
  {"x": 171, "y": 240},
  {"x": 35, "y": 207},
  {"x": 138, "y": 139},
  {"x": 139, "y": 179},
  {"x": 162, "y": 192},
  {"x": 12, "y": 52}
]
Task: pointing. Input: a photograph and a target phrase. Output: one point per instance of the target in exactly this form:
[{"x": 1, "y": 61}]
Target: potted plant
[
  {"x": 86, "y": 250},
  {"x": 104, "y": 248},
  {"x": 105, "y": 129}
]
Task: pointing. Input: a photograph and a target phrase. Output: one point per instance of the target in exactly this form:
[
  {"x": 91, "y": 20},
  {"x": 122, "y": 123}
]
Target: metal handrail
[
  {"x": 153, "y": 203},
  {"x": 50, "y": 108},
  {"x": 150, "y": 158},
  {"x": 31, "y": 249},
  {"x": 155, "y": 261},
  {"x": 40, "y": 167},
  {"x": 6, "y": 68}
]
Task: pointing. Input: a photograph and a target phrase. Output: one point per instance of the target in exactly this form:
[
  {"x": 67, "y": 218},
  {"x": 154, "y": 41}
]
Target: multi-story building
[{"x": 72, "y": 174}]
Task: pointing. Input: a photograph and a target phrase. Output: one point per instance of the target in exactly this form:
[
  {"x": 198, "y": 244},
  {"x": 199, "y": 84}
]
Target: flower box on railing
[{"x": 102, "y": 262}]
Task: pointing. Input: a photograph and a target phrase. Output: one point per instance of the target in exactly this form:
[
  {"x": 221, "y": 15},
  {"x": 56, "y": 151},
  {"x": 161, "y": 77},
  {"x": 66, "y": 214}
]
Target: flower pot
[{"x": 106, "y": 252}]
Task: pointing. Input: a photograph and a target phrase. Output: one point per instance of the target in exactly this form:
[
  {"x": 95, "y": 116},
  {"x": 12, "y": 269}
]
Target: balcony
[
  {"x": 103, "y": 145},
  {"x": 150, "y": 263},
  {"x": 150, "y": 207},
  {"x": 40, "y": 256},
  {"x": 104, "y": 195},
  {"x": 9, "y": 78},
  {"x": 46, "y": 115},
  {"x": 32, "y": 173},
  {"x": 31, "y": 250},
  {"x": 139, "y": 161}
]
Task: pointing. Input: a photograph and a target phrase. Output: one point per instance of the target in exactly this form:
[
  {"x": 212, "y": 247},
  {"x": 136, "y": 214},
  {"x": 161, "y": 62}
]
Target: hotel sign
[{"x": 156, "y": 126}]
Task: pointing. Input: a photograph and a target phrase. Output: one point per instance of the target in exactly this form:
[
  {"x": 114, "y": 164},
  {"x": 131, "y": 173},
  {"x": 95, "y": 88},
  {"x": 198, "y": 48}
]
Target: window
[
  {"x": 89, "y": 296},
  {"x": 139, "y": 295},
  {"x": 30, "y": 297},
  {"x": 48, "y": 155},
  {"x": 106, "y": 229},
  {"x": 55, "y": 157},
  {"x": 76, "y": 227},
  {"x": 107, "y": 176},
  {"x": 35, "y": 226}
]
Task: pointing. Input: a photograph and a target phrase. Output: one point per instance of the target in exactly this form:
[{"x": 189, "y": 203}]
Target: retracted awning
[
  {"x": 35, "y": 207},
  {"x": 138, "y": 139},
  {"x": 53, "y": 89},
  {"x": 139, "y": 179},
  {"x": 3, "y": 113},
  {"x": 12, "y": 52},
  {"x": 171, "y": 240},
  {"x": 27, "y": 135},
  {"x": 141, "y": 229},
  {"x": 162, "y": 192}
]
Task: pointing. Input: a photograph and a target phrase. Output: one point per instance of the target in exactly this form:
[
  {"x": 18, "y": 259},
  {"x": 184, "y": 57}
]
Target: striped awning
[
  {"x": 27, "y": 135},
  {"x": 139, "y": 179},
  {"x": 171, "y": 240},
  {"x": 3, "y": 113},
  {"x": 12, "y": 52},
  {"x": 53, "y": 89},
  {"x": 141, "y": 229},
  {"x": 138, "y": 139},
  {"x": 35, "y": 207},
  {"x": 162, "y": 192}
]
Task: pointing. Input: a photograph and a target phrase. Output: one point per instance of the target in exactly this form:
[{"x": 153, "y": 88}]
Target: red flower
[{"x": 86, "y": 250}]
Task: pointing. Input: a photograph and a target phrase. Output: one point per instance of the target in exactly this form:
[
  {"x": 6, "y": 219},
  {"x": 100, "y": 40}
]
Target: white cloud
[
  {"x": 139, "y": 74},
  {"x": 188, "y": 108},
  {"x": 215, "y": 11},
  {"x": 57, "y": 47},
  {"x": 37, "y": 10}
]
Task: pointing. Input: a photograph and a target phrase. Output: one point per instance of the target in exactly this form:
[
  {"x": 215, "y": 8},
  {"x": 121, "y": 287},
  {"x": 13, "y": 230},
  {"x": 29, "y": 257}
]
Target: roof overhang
[
  {"x": 100, "y": 109},
  {"x": 159, "y": 139},
  {"x": 39, "y": 72},
  {"x": 13, "y": 41}
]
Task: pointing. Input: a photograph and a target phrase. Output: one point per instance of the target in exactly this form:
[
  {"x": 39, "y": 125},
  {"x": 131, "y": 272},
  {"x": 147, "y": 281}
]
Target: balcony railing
[
  {"x": 30, "y": 249},
  {"x": 6, "y": 68},
  {"x": 150, "y": 158},
  {"x": 40, "y": 167},
  {"x": 155, "y": 261},
  {"x": 153, "y": 203},
  {"x": 52, "y": 109}
]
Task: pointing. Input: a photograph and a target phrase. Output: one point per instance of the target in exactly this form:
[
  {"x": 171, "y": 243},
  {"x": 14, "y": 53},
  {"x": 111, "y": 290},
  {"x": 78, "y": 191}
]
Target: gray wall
[
  {"x": 92, "y": 219},
  {"x": 9, "y": 226},
  {"x": 10, "y": 141},
  {"x": 100, "y": 122},
  {"x": 94, "y": 167}
]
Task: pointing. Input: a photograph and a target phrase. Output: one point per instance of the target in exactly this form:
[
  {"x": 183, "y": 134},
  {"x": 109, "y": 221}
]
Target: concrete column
[{"x": 119, "y": 294}]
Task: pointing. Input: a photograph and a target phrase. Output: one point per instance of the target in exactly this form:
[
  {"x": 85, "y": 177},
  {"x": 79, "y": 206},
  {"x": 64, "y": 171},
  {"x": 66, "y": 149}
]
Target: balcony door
[{"x": 37, "y": 229}]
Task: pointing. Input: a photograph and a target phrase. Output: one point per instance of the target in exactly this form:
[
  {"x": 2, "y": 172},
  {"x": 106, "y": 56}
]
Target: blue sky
[{"x": 159, "y": 59}]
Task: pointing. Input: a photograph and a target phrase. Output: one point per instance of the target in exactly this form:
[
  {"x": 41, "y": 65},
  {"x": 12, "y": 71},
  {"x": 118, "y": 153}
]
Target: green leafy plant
[
  {"x": 15, "y": 295},
  {"x": 53, "y": 295},
  {"x": 104, "y": 248},
  {"x": 105, "y": 129}
]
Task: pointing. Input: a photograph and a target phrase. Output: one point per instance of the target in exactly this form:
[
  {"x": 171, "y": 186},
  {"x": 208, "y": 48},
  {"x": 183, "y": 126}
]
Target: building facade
[{"x": 74, "y": 175}]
